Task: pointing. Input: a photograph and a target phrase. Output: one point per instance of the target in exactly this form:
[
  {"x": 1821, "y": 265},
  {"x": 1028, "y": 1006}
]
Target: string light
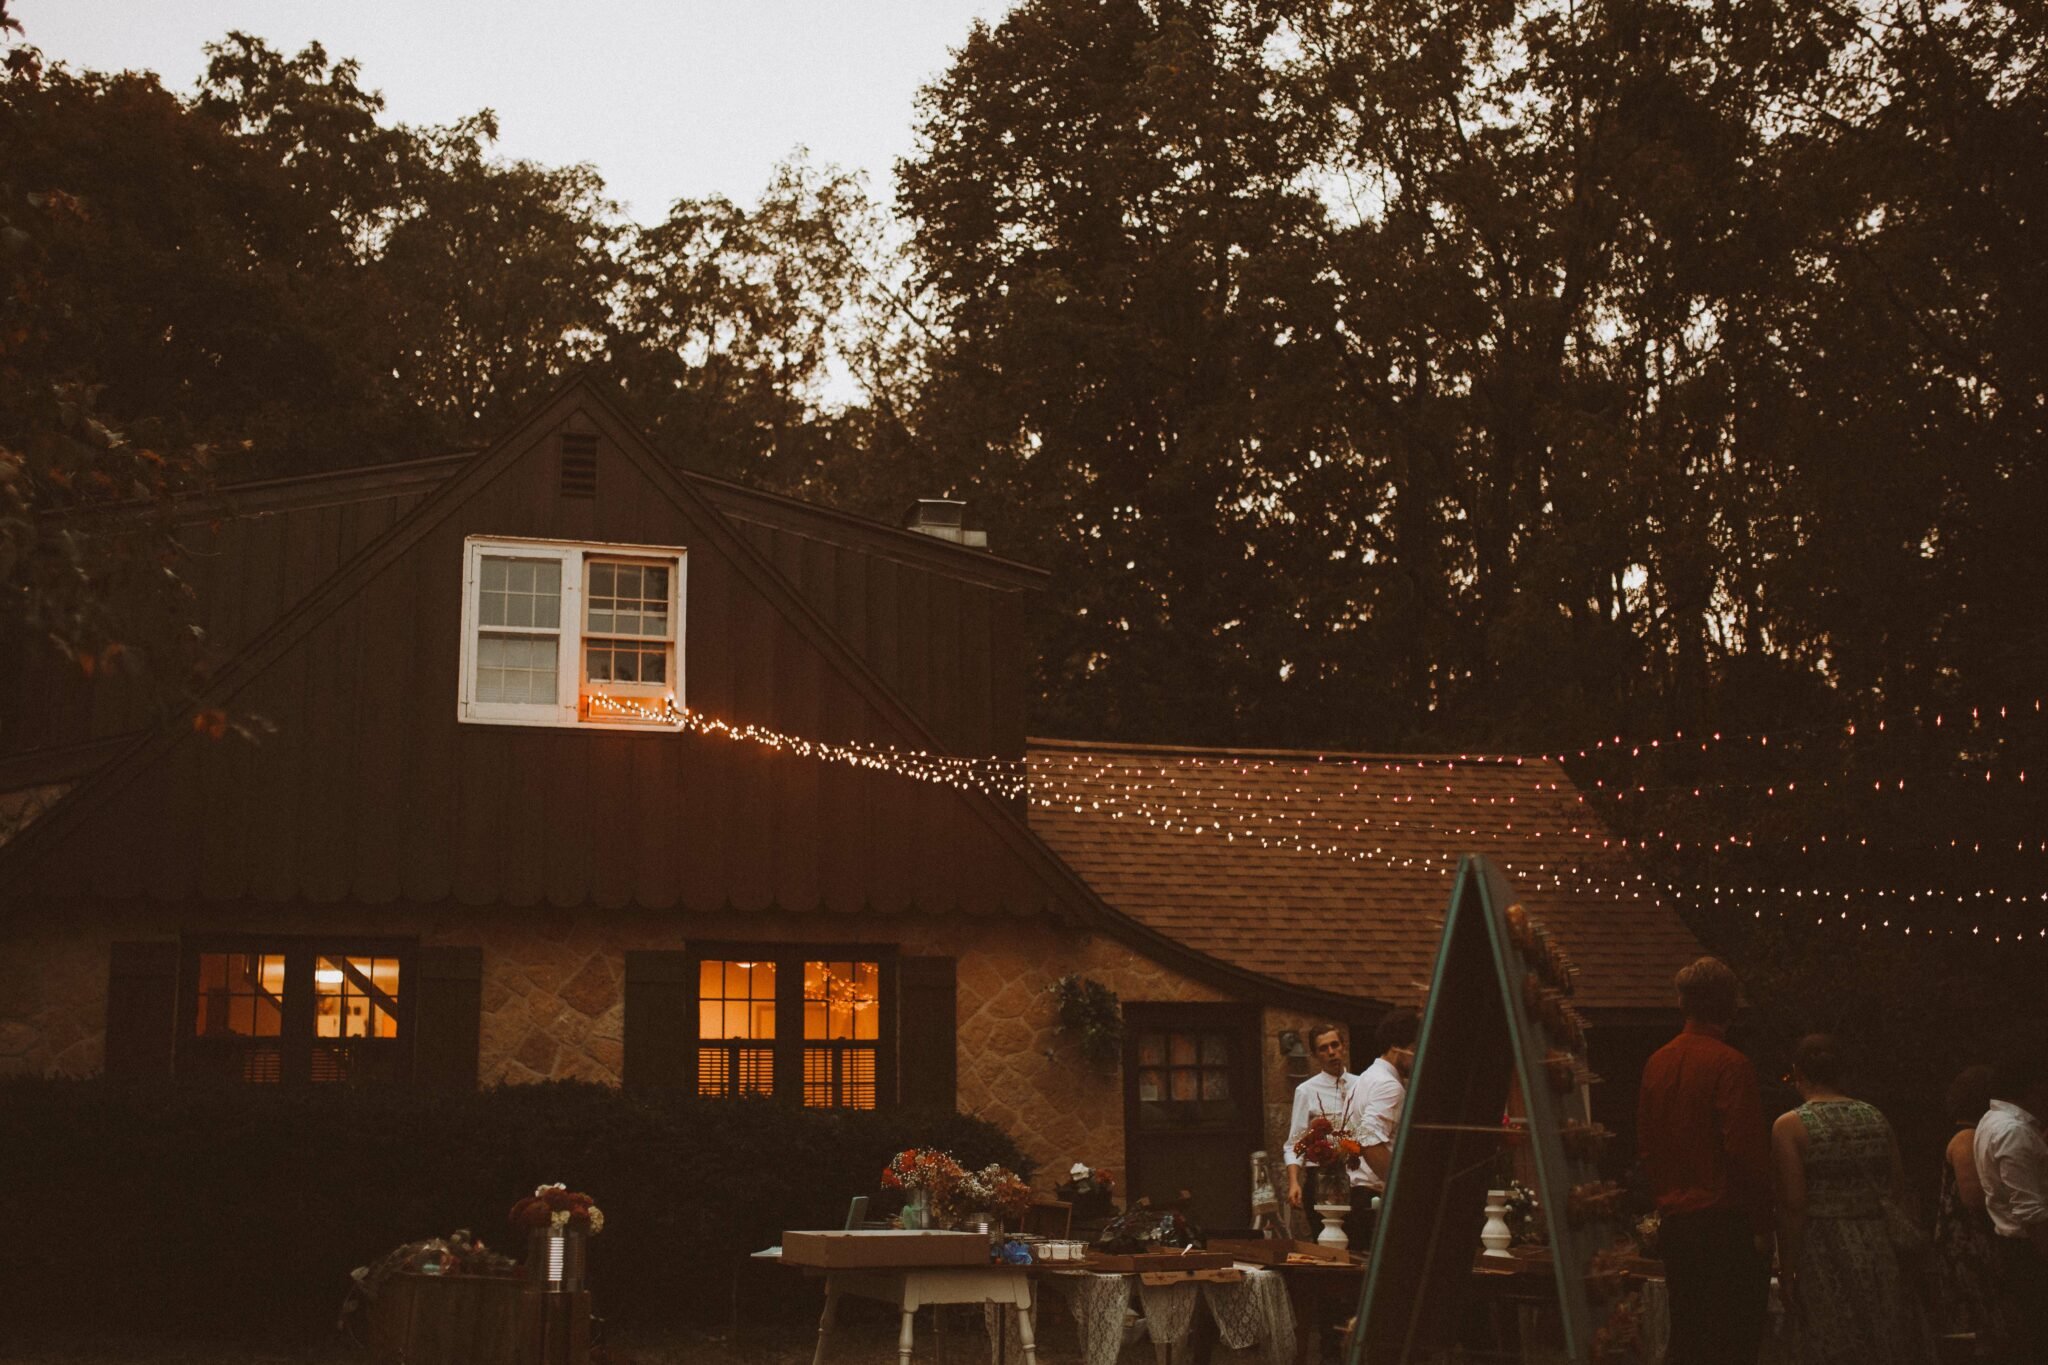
[
  {"x": 1182, "y": 796},
  {"x": 997, "y": 777}
]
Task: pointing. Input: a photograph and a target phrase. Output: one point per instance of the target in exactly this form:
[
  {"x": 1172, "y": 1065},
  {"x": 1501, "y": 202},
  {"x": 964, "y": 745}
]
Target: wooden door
[{"x": 1191, "y": 1107}]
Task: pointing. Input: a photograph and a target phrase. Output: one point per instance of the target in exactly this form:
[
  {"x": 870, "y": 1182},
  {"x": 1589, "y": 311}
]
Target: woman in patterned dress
[
  {"x": 1835, "y": 1161},
  {"x": 1965, "y": 1245}
]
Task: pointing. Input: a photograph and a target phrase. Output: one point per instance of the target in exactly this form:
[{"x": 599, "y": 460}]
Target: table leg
[
  {"x": 825, "y": 1322},
  {"x": 905, "y": 1335},
  {"x": 1025, "y": 1336}
]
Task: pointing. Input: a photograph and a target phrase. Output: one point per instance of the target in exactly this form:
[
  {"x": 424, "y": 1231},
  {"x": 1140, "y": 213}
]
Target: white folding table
[{"x": 1007, "y": 1286}]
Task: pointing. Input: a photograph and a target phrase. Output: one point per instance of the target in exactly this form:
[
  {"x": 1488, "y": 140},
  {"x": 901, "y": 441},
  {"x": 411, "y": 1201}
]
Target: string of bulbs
[{"x": 1029, "y": 780}]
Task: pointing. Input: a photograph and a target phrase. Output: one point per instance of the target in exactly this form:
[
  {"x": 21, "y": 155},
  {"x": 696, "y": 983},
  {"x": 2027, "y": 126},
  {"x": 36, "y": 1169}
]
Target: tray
[
  {"x": 1276, "y": 1250},
  {"x": 1152, "y": 1262}
]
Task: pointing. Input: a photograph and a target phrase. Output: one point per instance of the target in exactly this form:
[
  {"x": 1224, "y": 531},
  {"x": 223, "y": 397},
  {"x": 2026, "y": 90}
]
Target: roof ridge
[{"x": 1032, "y": 742}]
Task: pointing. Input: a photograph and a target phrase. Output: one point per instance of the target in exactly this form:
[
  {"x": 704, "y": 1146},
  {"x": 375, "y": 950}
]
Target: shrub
[{"x": 241, "y": 1211}]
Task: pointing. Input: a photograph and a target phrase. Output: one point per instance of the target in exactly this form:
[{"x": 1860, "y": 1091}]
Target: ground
[{"x": 863, "y": 1339}]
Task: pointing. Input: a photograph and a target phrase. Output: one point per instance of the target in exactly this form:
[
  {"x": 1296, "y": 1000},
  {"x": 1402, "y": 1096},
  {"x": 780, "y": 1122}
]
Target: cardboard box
[{"x": 884, "y": 1249}]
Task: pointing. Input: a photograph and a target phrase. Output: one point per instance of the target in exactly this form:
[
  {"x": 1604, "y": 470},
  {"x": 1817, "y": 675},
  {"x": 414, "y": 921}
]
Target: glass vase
[{"x": 917, "y": 1213}]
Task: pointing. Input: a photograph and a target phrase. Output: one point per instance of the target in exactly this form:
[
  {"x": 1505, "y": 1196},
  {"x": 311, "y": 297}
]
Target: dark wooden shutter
[
  {"x": 661, "y": 1019},
  {"x": 928, "y": 1022},
  {"x": 447, "y": 1015},
  {"x": 142, "y": 1010}
]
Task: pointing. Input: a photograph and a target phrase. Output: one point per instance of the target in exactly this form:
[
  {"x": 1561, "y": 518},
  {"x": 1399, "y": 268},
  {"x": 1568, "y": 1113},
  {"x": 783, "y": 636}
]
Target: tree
[{"x": 1135, "y": 344}]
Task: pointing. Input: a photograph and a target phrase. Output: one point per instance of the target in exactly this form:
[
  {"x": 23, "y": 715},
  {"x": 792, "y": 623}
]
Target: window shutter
[
  {"x": 927, "y": 1015},
  {"x": 661, "y": 1010},
  {"x": 142, "y": 1010},
  {"x": 447, "y": 1015}
]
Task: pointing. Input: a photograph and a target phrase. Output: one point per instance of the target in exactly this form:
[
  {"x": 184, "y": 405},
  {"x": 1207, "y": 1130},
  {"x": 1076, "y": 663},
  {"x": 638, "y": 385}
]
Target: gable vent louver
[{"x": 579, "y": 465}]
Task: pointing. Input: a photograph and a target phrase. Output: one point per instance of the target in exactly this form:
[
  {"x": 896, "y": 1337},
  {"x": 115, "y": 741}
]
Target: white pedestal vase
[
  {"x": 1333, "y": 1205},
  {"x": 1496, "y": 1236},
  {"x": 1333, "y": 1216}
]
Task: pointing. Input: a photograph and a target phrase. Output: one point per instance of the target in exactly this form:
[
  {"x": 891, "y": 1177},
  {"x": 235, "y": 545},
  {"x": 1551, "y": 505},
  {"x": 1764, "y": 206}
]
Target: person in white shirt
[
  {"x": 1331, "y": 1092},
  {"x": 1367, "y": 1106},
  {"x": 2012, "y": 1164},
  {"x": 1385, "y": 1089}
]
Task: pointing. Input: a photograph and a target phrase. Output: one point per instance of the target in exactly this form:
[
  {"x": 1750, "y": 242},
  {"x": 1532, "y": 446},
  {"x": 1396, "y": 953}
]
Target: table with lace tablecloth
[{"x": 1251, "y": 1309}]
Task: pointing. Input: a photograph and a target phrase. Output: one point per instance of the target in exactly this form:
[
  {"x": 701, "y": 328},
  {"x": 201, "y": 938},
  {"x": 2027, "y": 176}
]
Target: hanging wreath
[{"x": 1091, "y": 1010}]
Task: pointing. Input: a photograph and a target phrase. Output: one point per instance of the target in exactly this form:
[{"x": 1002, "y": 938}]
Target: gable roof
[
  {"x": 580, "y": 400},
  {"x": 152, "y": 756},
  {"x": 1334, "y": 870}
]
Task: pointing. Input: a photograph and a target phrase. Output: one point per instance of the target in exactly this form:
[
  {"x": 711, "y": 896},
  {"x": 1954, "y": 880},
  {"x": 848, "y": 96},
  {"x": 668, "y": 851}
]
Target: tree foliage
[
  {"x": 1438, "y": 374},
  {"x": 1388, "y": 374}
]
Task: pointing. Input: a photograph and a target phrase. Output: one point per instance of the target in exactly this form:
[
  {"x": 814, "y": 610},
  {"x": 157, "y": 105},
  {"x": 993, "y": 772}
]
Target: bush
[{"x": 241, "y": 1211}]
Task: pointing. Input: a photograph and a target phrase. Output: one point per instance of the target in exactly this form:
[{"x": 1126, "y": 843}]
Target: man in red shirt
[{"x": 1700, "y": 1131}]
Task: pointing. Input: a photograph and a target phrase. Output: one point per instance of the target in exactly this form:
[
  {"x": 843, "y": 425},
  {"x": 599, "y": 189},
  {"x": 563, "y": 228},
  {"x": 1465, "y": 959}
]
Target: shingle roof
[{"x": 1333, "y": 871}]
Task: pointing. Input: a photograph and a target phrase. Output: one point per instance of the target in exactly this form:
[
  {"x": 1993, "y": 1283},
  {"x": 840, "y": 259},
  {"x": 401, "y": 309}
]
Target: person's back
[
  {"x": 1700, "y": 1129},
  {"x": 1848, "y": 1159},
  {"x": 1851, "y": 1299},
  {"x": 1699, "y": 1117}
]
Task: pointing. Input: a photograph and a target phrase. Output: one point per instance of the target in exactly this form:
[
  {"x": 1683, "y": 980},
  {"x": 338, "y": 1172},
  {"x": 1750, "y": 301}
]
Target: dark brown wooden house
[{"x": 443, "y": 856}]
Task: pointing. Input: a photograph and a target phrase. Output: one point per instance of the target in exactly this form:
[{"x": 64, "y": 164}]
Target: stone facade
[{"x": 553, "y": 999}]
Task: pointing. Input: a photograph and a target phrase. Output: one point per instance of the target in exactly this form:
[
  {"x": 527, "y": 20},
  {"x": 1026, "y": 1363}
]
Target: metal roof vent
[
  {"x": 944, "y": 519},
  {"x": 579, "y": 464}
]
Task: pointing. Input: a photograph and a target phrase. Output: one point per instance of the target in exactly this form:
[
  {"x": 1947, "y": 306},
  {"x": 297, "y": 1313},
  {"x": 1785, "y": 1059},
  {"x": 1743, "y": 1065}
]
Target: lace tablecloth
[{"x": 1253, "y": 1310}]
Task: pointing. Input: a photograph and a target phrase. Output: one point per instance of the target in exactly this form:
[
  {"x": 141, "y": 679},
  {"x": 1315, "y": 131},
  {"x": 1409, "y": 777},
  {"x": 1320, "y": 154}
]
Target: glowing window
[
  {"x": 842, "y": 1020},
  {"x": 241, "y": 995},
  {"x": 735, "y": 1027}
]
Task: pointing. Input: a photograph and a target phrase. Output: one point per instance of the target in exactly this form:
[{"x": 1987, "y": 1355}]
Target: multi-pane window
[
  {"x": 804, "y": 1025},
  {"x": 735, "y": 1028},
  {"x": 627, "y": 627},
  {"x": 842, "y": 1023},
  {"x": 559, "y": 634},
  {"x": 1183, "y": 1076},
  {"x": 294, "y": 1010},
  {"x": 518, "y": 648},
  {"x": 239, "y": 1007}
]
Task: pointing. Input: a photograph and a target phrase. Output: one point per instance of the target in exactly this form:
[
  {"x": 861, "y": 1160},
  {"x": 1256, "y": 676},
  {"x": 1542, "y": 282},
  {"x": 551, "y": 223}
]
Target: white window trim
[{"x": 564, "y": 710}]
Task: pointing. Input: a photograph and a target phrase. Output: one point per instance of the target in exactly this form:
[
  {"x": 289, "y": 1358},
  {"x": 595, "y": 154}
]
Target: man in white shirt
[
  {"x": 2012, "y": 1164},
  {"x": 1385, "y": 1089},
  {"x": 1368, "y": 1107},
  {"x": 1331, "y": 1092}
]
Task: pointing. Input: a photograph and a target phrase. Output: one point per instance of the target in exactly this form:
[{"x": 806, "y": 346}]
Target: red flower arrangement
[
  {"x": 923, "y": 1170},
  {"x": 555, "y": 1209},
  {"x": 1327, "y": 1144}
]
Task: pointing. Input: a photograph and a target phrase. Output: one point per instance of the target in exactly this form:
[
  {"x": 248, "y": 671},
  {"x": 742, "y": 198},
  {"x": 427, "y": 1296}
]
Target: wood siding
[{"x": 369, "y": 789}]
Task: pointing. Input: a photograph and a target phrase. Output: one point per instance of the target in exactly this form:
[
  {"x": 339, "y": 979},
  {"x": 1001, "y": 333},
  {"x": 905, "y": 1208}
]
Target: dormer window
[{"x": 557, "y": 634}]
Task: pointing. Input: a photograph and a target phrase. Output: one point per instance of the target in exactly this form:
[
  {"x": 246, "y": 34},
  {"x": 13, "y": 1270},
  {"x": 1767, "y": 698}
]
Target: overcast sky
[{"x": 668, "y": 100}]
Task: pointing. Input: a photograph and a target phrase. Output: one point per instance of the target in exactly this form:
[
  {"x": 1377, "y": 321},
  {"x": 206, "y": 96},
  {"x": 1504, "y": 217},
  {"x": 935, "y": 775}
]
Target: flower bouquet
[
  {"x": 555, "y": 1209},
  {"x": 1522, "y": 1210},
  {"x": 1333, "y": 1149},
  {"x": 993, "y": 1191},
  {"x": 927, "y": 1177}
]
